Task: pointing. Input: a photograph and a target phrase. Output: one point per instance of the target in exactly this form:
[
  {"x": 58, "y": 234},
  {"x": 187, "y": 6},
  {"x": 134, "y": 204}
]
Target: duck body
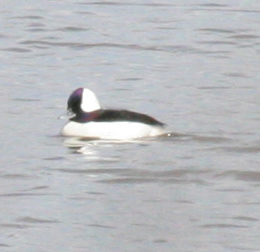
[{"x": 91, "y": 121}]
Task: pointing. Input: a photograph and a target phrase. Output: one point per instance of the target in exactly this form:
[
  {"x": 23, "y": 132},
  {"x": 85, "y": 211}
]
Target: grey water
[{"x": 193, "y": 65}]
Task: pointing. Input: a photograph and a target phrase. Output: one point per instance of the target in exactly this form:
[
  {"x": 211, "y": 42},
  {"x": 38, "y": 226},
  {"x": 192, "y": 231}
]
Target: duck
[{"x": 87, "y": 119}]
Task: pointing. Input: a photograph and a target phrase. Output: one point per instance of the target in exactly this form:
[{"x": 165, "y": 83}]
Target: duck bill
[{"x": 68, "y": 115}]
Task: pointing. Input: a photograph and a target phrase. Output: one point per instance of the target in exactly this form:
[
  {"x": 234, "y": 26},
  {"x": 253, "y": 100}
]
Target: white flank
[{"x": 112, "y": 130}]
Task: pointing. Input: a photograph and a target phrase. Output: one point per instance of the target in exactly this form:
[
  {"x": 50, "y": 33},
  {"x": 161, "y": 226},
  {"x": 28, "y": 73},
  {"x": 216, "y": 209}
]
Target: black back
[{"x": 108, "y": 115}]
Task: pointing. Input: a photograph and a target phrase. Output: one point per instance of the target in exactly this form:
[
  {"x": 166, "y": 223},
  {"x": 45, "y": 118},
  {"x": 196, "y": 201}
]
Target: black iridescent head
[{"x": 74, "y": 101}]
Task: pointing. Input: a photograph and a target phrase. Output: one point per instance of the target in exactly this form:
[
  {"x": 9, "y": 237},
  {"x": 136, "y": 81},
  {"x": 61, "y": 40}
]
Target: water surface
[{"x": 192, "y": 65}]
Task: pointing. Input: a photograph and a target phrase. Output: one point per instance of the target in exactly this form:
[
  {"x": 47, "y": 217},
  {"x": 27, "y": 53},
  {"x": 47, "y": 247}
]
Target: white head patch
[{"x": 89, "y": 101}]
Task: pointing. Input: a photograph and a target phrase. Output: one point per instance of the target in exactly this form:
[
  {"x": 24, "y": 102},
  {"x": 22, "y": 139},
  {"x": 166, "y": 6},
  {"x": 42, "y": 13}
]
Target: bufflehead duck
[{"x": 89, "y": 120}]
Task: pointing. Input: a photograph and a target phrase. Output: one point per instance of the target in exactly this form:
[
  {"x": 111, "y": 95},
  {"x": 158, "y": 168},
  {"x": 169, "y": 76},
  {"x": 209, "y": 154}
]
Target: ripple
[
  {"x": 239, "y": 149},
  {"x": 127, "y": 181},
  {"x": 215, "y": 30},
  {"x": 217, "y": 42},
  {"x": 34, "y": 17},
  {"x": 23, "y": 194},
  {"x": 35, "y": 220},
  {"x": 139, "y": 176},
  {"x": 72, "y": 29},
  {"x": 101, "y": 226},
  {"x": 15, "y": 226},
  {"x": 77, "y": 45},
  {"x": 223, "y": 226},
  {"x": 165, "y": 48},
  {"x": 26, "y": 100},
  {"x": 160, "y": 241},
  {"x": 244, "y": 36},
  {"x": 236, "y": 75},
  {"x": 210, "y": 139},
  {"x": 253, "y": 176},
  {"x": 245, "y": 218},
  {"x": 4, "y": 245},
  {"x": 17, "y": 176},
  {"x": 57, "y": 158},
  {"x": 16, "y": 49},
  {"x": 112, "y": 3},
  {"x": 213, "y": 5}
]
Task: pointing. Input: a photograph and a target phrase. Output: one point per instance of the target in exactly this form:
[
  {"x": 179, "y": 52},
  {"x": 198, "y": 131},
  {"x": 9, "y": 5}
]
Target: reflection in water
[
  {"x": 113, "y": 156},
  {"x": 83, "y": 142}
]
